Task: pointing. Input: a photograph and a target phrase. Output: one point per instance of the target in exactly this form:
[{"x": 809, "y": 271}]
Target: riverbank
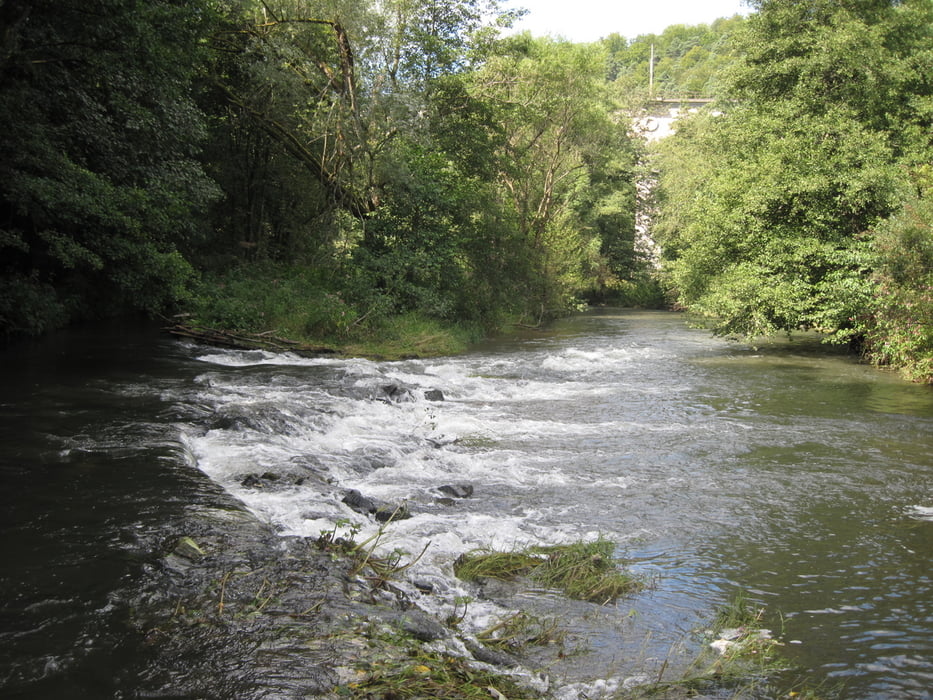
[
  {"x": 232, "y": 609},
  {"x": 294, "y": 303},
  {"x": 278, "y": 307},
  {"x": 402, "y": 337}
]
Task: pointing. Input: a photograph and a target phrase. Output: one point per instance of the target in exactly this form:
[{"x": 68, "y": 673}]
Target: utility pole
[{"x": 651, "y": 73}]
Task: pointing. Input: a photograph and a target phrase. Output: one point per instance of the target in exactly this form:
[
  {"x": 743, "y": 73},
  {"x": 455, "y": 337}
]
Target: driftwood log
[{"x": 246, "y": 341}]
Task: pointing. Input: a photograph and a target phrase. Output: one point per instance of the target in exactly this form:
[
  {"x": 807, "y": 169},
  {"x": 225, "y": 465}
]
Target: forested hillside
[
  {"x": 689, "y": 61},
  {"x": 343, "y": 171}
]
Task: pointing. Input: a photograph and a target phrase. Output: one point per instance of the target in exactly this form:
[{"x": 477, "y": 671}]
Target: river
[{"x": 786, "y": 471}]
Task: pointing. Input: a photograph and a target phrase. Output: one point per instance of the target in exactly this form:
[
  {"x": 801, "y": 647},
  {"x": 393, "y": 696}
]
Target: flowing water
[{"x": 785, "y": 471}]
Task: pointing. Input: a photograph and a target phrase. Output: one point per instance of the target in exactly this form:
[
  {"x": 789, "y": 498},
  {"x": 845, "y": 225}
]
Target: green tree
[
  {"x": 763, "y": 216},
  {"x": 689, "y": 60},
  {"x": 767, "y": 209},
  {"x": 897, "y": 322},
  {"x": 559, "y": 137},
  {"x": 870, "y": 56},
  {"x": 100, "y": 186}
]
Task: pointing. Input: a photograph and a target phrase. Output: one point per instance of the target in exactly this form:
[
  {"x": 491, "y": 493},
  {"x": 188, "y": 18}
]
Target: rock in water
[
  {"x": 383, "y": 512},
  {"x": 359, "y": 502},
  {"x": 457, "y": 490}
]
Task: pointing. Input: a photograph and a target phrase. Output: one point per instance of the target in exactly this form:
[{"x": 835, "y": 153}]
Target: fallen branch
[{"x": 246, "y": 341}]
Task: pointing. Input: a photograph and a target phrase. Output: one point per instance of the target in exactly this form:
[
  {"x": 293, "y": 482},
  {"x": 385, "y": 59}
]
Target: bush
[
  {"x": 29, "y": 307},
  {"x": 289, "y": 301},
  {"x": 898, "y": 327}
]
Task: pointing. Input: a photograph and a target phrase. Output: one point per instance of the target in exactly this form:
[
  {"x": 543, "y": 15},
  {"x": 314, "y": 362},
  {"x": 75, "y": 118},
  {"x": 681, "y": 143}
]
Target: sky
[{"x": 589, "y": 20}]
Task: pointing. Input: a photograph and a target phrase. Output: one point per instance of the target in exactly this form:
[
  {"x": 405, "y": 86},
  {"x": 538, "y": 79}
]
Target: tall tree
[
  {"x": 100, "y": 186},
  {"x": 767, "y": 208},
  {"x": 559, "y": 135}
]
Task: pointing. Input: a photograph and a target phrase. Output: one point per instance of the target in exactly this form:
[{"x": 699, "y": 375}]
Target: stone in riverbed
[
  {"x": 187, "y": 548},
  {"x": 383, "y": 512},
  {"x": 395, "y": 393},
  {"x": 359, "y": 502},
  {"x": 457, "y": 490},
  {"x": 388, "y": 512},
  {"x": 422, "y": 626},
  {"x": 434, "y": 395},
  {"x": 490, "y": 656}
]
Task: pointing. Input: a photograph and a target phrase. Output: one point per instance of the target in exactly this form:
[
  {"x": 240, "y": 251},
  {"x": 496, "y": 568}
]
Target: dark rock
[
  {"x": 396, "y": 393},
  {"x": 270, "y": 480},
  {"x": 251, "y": 481},
  {"x": 434, "y": 395},
  {"x": 359, "y": 502},
  {"x": 422, "y": 626},
  {"x": 383, "y": 512},
  {"x": 423, "y": 586},
  {"x": 490, "y": 656},
  {"x": 457, "y": 490},
  {"x": 387, "y": 513}
]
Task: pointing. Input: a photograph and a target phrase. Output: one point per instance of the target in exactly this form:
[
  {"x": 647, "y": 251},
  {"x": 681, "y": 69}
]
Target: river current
[{"x": 785, "y": 471}]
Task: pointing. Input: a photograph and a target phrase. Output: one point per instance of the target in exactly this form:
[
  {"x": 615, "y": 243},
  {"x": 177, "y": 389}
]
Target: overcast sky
[{"x": 589, "y": 20}]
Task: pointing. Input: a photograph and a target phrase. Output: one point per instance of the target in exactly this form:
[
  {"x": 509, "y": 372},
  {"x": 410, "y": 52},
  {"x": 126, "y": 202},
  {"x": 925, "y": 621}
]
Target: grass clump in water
[
  {"x": 429, "y": 675},
  {"x": 521, "y": 630},
  {"x": 583, "y": 570},
  {"x": 739, "y": 655}
]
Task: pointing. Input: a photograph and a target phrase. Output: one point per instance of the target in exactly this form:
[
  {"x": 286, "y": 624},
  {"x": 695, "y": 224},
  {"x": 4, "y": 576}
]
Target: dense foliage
[
  {"x": 100, "y": 186},
  {"x": 689, "y": 61},
  {"x": 371, "y": 158},
  {"x": 805, "y": 204},
  {"x": 320, "y": 168}
]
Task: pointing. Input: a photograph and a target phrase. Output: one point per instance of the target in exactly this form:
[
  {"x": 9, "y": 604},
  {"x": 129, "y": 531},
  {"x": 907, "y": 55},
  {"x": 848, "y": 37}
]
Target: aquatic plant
[
  {"x": 425, "y": 674},
  {"x": 582, "y": 570},
  {"x": 520, "y": 630},
  {"x": 737, "y": 657},
  {"x": 381, "y": 567}
]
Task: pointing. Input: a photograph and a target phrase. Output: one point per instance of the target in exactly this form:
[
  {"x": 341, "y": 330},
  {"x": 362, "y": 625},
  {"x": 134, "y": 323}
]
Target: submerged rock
[
  {"x": 457, "y": 490},
  {"x": 395, "y": 393},
  {"x": 490, "y": 656},
  {"x": 434, "y": 395},
  {"x": 422, "y": 626},
  {"x": 270, "y": 479}
]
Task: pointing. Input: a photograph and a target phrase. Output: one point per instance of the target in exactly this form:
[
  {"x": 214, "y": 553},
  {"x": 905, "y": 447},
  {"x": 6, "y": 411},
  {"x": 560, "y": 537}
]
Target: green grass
[
  {"x": 583, "y": 571},
  {"x": 410, "y": 335},
  {"x": 295, "y": 304},
  {"x": 521, "y": 630},
  {"x": 426, "y": 675}
]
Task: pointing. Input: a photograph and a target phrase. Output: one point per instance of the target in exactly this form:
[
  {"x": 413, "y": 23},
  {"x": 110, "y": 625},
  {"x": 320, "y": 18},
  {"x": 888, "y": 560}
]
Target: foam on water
[
  {"x": 341, "y": 431},
  {"x": 921, "y": 512}
]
